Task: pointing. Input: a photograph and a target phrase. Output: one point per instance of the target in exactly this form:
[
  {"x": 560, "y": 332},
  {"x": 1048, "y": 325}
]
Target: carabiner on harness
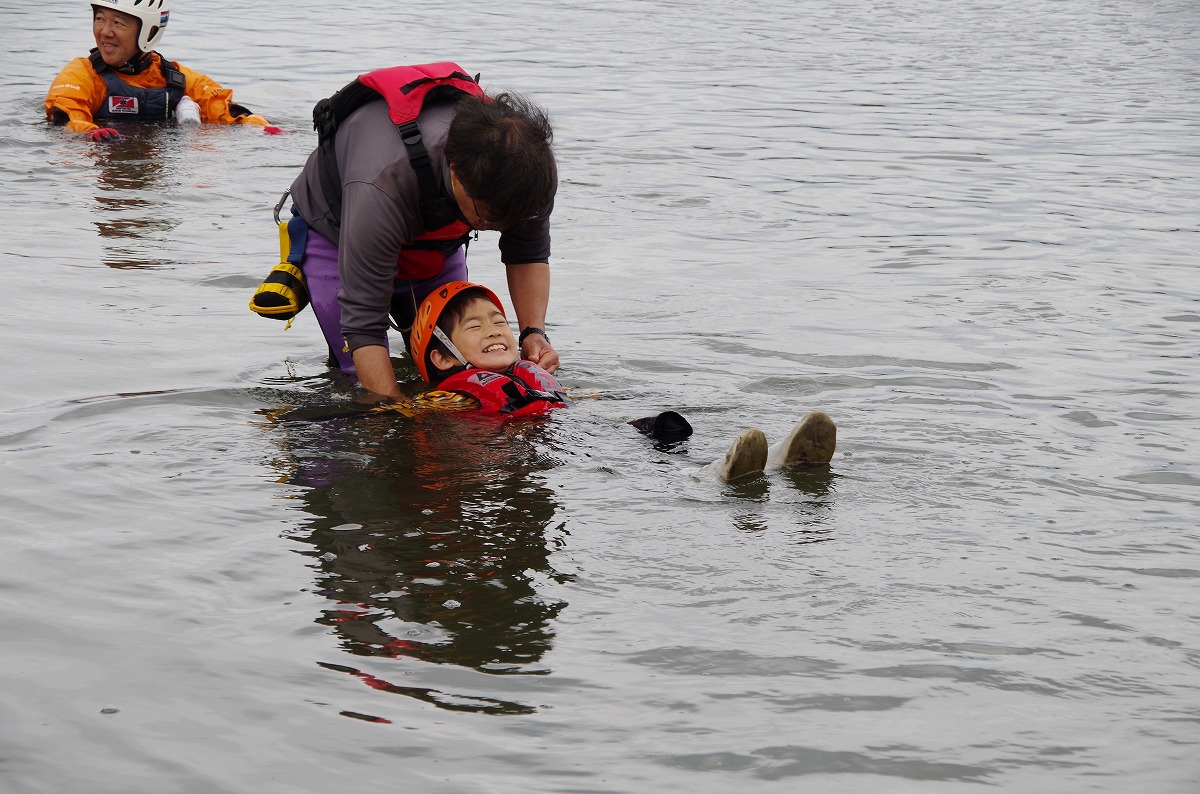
[{"x": 278, "y": 207}]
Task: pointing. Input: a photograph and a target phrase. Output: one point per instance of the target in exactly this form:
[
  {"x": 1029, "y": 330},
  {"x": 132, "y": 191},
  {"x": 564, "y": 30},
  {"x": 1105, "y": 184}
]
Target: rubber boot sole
[
  {"x": 812, "y": 441},
  {"x": 747, "y": 455}
]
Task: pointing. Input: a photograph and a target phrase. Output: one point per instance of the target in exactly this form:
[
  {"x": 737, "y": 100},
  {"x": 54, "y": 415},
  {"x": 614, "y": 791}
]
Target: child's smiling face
[{"x": 485, "y": 338}]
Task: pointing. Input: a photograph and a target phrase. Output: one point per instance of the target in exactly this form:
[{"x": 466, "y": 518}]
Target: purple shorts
[{"x": 320, "y": 268}]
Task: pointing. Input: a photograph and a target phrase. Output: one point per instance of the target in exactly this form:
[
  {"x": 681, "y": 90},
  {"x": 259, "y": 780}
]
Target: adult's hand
[
  {"x": 104, "y": 134},
  {"x": 375, "y": 371},
  {"x": 537, "y": 348},
  {"x": 529, "y": 288}
]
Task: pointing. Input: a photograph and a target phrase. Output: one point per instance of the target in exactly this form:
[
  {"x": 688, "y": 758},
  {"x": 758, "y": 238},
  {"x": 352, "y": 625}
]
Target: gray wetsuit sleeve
[
  {"x": 373, "y": 229},
  {"x": 529, "y": 242}
]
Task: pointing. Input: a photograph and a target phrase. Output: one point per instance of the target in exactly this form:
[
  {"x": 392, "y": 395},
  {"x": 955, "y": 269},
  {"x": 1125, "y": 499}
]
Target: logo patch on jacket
[{"x": 123, "y": 104}]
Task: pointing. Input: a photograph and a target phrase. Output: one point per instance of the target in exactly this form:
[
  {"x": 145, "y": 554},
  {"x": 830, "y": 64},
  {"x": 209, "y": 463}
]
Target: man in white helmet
[{"x": 124, "y": 79}]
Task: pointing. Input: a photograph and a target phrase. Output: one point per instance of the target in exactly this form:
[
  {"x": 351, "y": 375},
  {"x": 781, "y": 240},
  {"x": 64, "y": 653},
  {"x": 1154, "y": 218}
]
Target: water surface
[{"x": 965, "y": 230}]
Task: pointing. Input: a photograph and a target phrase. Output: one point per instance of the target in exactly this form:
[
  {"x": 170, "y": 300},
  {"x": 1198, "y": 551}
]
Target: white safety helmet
[{"x": 151, "y": 13}]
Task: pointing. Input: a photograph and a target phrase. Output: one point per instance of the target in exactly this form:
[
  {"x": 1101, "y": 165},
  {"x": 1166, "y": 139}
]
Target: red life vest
[
  {"x": 405, "y": 89},
  {"x": 524, "y": 390}
]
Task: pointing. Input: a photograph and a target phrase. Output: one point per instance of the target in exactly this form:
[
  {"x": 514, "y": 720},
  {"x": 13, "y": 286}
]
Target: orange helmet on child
[{"x": 425, "y": 326}]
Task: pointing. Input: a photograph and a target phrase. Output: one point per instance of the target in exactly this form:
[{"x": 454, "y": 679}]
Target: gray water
[{"x": 966, "y": 230}]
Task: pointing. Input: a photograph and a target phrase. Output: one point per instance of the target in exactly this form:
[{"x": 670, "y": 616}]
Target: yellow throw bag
[{"x": 283, "y": 294}]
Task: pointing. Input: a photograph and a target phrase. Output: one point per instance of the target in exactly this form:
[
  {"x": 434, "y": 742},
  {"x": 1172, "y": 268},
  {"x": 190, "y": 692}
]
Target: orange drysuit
[{"x": 79, "y": 91}]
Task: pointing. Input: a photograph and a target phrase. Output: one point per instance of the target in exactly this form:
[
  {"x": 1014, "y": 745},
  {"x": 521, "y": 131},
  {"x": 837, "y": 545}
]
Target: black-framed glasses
[{"x": 481, "y": 222}]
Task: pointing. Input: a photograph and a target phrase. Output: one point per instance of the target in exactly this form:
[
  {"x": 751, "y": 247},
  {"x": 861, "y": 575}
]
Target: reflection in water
[
  {"x": 807, "y": 489},
  {"x": 427, "y": 536},
  {"x": 816, "y": 482},
  {"x": 134, "y": 219},
  {"x": 815, "y": 486},
  {"x": 750, "y": 496}
]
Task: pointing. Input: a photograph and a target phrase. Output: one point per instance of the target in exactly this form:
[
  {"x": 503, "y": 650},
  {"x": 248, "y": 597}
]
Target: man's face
[
  {"x": 116, "y": 35},
  {"x": 484, "y": 337},
  {"x": 476, "y": 214}
]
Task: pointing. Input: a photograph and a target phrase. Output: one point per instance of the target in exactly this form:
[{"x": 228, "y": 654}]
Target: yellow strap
[
  {"x": 435, "y": 400},
  {"x": 285, "y": 242},
  {"x": 277, "y": 289},
  {"x": 448, "y": 400}
]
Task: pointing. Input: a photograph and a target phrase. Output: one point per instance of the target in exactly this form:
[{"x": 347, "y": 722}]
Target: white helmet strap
[{"x": 445, "y": 340}]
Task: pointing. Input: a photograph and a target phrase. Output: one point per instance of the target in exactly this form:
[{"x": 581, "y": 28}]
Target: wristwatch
[{"x": 527, "y": 332}]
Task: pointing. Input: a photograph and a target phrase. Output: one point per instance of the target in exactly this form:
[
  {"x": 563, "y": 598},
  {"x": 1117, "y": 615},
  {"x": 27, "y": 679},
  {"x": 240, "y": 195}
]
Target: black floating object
[{"x": 668, "y": 427}]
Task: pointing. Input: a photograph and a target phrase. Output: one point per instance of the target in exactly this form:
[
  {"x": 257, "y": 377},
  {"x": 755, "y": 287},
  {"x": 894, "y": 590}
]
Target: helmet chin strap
[
  {"x": 445, "y": 340},
  {"x": 135, "y": 65}
]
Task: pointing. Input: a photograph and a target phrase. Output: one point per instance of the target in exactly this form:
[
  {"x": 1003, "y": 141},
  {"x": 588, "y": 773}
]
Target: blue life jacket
[{"x": 126, "y": 102}]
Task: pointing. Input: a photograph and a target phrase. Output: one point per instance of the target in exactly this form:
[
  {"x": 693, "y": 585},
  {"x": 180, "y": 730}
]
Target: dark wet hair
[{"x": 502, "y": 153}]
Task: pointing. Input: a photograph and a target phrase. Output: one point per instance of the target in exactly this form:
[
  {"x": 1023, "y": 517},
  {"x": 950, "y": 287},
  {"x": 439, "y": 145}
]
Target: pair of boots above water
[{"x": 811, "y": 442}]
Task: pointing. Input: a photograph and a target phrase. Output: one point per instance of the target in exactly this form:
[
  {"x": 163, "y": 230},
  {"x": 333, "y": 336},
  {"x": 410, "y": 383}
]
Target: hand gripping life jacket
[
  {"x": 125, "y": 102},
  {"x": 405, "y": 89},
  {"x": 525, "y": 390}
]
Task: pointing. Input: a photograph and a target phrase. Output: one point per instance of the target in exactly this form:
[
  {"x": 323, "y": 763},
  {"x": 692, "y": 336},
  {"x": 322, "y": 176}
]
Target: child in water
[{"x": 461, "y": 343}]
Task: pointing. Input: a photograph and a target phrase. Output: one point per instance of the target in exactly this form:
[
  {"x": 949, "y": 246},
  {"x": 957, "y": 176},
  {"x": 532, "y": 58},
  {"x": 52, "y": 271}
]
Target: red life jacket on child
[
  {"x": 405, "y": 89},
  {"x": 524, "y": 390}
]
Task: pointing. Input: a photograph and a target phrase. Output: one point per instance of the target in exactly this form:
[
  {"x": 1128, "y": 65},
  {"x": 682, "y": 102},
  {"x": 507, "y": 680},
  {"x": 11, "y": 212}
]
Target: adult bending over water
[
  {"x": 412, "y": 160},
  {"x": 124, "y": 79}
]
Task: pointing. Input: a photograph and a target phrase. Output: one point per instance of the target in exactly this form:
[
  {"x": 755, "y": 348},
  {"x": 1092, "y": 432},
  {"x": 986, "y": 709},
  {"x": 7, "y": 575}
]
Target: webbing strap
[
  {"x": 331, "y": 180},
  {"x": 436, "y": 210},
  {"x": 176, "y": 83},
  {"x": 327, "y": 115},
  {"x": 519, "y": 395}
]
